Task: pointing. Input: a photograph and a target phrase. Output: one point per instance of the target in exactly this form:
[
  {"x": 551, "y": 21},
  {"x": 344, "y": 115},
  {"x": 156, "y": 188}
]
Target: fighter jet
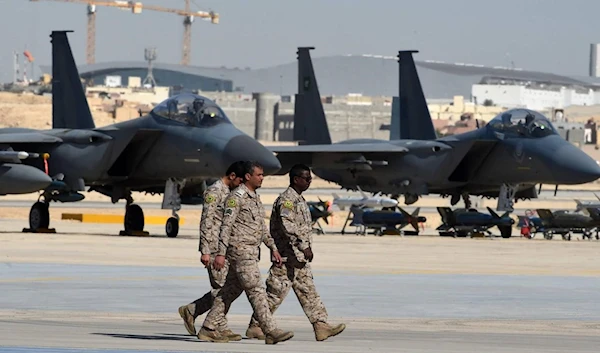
[
  {"x": 507, "y": 158},
  {"x": 363, "y": 201},
  {"x": 173, "y": 150}
]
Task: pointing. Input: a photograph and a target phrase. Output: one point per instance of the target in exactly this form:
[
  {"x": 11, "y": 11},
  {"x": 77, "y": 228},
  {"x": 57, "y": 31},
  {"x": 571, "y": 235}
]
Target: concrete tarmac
[{"x": 70, "y": 292}]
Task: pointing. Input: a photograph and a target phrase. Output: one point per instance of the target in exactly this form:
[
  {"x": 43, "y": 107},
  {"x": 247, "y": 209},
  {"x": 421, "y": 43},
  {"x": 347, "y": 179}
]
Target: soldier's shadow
[{"x": 160, "y": 337}]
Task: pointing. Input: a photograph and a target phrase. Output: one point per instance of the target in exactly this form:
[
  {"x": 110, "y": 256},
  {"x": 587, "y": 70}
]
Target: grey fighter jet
[
  {"x": 180, "y": 144},
  {"x": 507, "y": 158}
]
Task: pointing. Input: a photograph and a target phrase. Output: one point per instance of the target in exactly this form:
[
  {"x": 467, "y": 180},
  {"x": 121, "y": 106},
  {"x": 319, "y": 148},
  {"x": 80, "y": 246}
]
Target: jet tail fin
[
  {"x": 70, "y": 109},
  {"x": 410, "y": 118},
  {"x": 579, "y": 206},
  {"x": 310, "y": 124}
]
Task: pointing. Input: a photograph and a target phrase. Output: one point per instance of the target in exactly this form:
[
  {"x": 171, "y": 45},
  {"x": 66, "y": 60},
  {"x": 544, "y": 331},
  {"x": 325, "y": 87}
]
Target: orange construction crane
[{"x": 136, "y": 8}]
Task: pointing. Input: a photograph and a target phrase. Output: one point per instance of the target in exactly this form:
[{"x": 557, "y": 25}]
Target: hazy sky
[{"x": 544, "y": 35}]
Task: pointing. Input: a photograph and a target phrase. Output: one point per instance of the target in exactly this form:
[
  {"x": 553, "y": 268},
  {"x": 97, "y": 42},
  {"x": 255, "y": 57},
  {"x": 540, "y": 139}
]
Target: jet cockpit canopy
[
  {"x": 191, "y": 109},
  {"x": 523, "y": 123}
]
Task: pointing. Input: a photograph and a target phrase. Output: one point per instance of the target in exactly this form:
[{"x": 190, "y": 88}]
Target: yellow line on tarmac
[{"x": 110, "y": 218}]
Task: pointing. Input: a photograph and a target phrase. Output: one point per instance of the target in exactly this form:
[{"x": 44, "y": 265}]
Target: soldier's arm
[
  {"x": 297, "y": 235},
  {"x": 208, "y": 229},
  {"x": 232, "y": 209},
  {"x": 267, "y": 239}
]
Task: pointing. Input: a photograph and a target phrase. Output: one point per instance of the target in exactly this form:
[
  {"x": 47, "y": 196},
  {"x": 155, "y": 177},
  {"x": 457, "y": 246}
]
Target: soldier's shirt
[
  {"x": 243, "y": 228},
  {"x": 212, "y": 216},
  {"x": 291, "y": 224}
]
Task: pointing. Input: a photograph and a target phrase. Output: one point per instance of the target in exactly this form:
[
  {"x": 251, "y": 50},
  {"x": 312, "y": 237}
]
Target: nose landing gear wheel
[{"x": 172, "y": 227}]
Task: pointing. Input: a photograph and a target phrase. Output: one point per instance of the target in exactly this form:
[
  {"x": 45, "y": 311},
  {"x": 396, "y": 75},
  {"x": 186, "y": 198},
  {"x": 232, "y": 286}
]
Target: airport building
[{"x": 372, "y": 75}]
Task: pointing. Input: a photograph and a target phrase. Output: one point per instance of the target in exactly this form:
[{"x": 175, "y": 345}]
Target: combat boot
[
  {"x": 255, "y": 332},
  {"x": 212, "y": 335},
  {"x": 231, "y": 335},
  {"x": 278, "y": 335},
  {"x": 323, "y": 330},
  {"x": 188, "y": 320}
]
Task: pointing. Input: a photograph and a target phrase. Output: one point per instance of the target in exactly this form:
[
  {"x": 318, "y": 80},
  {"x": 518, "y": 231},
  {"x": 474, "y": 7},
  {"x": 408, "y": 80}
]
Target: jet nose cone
[
  {"x": 245, "y": 148},
  {"x": 576, "y": 167}
]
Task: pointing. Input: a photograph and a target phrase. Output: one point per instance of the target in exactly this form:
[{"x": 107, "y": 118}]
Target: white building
[{"x": 537, "y": 96}]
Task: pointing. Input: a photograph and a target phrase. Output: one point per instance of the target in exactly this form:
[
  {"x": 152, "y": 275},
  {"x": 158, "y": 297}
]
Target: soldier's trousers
[
  {"x": 217, "y": 280},
  {"x": 243, "y": 275},
  {"x": 293, "y": 275}
]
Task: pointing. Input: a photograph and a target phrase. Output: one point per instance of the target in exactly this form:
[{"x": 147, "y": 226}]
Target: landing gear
[
  {"x": 134, "y": 221},
  {"x": 172, "y": 227},
  {"x": 506, "y": 197},
  {"x": 39, "y": 214},
  {"x": 172, "y": 200},
  {"x": 39, "y": 217}
]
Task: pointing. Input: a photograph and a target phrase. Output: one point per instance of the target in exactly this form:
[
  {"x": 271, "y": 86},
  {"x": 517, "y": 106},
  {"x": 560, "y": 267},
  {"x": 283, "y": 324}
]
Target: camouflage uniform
[
  {"x": 291, "y": 228},
  {"x": 210, "y": 224},
  {"x": 242, "y": 232}
]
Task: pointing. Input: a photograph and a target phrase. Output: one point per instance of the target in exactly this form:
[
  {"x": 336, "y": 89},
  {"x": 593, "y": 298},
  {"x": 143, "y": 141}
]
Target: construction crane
[{"x": 136, "y": 8}]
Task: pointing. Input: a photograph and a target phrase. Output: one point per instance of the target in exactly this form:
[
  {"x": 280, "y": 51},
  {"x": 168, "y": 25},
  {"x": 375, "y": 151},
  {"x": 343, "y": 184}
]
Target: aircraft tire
[
  {"x": 172, "y": 227},
  {"x": 134, "y": 218},
  {"x": 39, "y": 216}
]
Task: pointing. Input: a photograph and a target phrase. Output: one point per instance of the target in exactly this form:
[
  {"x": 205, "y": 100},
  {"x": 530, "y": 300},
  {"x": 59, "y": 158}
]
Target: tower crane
[{"x": 136, "y": 8}]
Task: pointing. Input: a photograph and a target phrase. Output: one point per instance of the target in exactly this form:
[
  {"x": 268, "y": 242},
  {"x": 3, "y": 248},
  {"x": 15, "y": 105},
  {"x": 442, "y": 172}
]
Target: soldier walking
[
  {"x": 242, "y": 231},
  {"x": 291, "y": 228},
  {"x": 210, "y": 224}
]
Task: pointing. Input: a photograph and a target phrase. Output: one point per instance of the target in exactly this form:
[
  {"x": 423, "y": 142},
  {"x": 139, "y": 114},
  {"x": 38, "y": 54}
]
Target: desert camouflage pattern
[
  {"x": 243, "y": 228},
  {"x": 242, "y": 232},
  {"x": 212, "y": 216},
  {"x": 203, "y": 304},
  {"x": 291, "y": 224},
  {"x": 298, "y": 276},
  {"x": 291, "y": 228},
  {"x": 210, "y": 224}
]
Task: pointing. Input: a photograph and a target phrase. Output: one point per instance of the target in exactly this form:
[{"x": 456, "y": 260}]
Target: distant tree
[{"x": 488, "y": 103}]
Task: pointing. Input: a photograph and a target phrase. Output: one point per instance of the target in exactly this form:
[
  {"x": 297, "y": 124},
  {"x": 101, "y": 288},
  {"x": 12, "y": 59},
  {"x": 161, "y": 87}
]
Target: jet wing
[
  {"x": 357, "y": 156},
  {"x": 339, "y": 148},
  {"x": 28, "y": 137}
]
